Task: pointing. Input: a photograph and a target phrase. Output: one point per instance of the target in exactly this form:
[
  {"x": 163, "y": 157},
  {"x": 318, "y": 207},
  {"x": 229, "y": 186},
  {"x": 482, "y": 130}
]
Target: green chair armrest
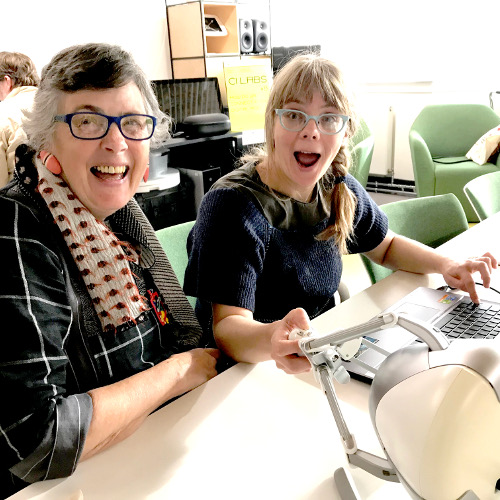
[
  {"x": 423, "y": 166},
  {"x": 362, "y": 157}
]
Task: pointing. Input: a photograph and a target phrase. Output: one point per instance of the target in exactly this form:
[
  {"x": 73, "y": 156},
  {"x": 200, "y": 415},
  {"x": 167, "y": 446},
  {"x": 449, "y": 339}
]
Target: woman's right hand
[
  {"x": 195, "y": 367},
  {"x": 286, "y": 352}
]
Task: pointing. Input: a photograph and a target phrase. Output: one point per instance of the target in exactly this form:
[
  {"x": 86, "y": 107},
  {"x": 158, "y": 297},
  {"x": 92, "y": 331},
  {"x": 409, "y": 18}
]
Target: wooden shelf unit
[
  {"x": 228, "y": 44},
  {"x": 190, "y": 47},
  {"x": 186, "y": 37}
]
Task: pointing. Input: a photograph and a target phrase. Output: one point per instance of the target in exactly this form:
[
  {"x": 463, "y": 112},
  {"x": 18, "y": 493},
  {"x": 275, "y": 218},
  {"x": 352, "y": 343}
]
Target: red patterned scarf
[{"x": 102, "y": 259}]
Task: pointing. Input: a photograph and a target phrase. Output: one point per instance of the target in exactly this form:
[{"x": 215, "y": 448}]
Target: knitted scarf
[
  {"x": 101, "y": 258},
  {"x": 130, "y": 221}
]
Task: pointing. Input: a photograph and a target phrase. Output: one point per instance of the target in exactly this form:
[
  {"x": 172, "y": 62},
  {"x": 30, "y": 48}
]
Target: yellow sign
[{"x": 247, "y": 88}]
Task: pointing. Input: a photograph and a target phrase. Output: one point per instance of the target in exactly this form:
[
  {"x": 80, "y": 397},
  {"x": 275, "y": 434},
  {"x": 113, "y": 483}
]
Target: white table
[{"x": 253, "y": 431}]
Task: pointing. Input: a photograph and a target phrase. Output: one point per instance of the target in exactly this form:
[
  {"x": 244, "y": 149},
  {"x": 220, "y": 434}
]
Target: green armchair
[
  {"x": 440, "y": 137},
  {"x": 362, "y": 152}
]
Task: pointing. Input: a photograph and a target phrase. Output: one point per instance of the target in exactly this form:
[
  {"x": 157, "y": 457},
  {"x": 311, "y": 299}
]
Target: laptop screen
[{"x": 189, "y": 96}]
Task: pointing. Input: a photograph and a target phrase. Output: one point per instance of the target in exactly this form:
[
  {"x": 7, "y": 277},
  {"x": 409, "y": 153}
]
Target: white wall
[
  {"x": 41, "y": 28},
  {"x": 397, "y": 41},
  {"x": 399, "y": 55}
]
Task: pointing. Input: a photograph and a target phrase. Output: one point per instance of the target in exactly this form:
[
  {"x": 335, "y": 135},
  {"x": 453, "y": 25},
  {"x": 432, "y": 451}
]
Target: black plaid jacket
[{"x": 52, "y": 348}]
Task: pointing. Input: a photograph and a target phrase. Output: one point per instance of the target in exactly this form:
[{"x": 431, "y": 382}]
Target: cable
[
  {"x": 490, "y": 288},
  {"x": 447, "y": 288}
]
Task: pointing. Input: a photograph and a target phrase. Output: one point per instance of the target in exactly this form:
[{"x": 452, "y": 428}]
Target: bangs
[
  {"x": 301, "y": 87},
  {"x": 298, "y": 81}
]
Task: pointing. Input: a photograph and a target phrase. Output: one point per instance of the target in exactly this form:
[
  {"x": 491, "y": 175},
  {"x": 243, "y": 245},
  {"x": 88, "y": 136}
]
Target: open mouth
[
  {"x": 110, "y": 172},
  {"x": 306, "y": 159}
]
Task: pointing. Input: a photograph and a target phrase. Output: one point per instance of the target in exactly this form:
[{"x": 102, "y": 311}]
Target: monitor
[
  {"x": 185, "y": 97},
  {"x": 281, "y": 55}
]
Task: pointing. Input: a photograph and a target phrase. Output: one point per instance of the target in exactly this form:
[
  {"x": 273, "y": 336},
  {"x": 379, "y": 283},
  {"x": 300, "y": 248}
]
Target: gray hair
[{"x": 93, "y": 66}]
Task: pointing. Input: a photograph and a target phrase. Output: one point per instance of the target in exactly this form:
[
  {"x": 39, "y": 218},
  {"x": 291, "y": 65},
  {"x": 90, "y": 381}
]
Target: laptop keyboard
[{"x": 469, "y": 320}]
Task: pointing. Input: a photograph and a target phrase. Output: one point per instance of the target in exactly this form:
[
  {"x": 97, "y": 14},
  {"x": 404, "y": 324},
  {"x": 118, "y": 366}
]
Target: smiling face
[
  {"x": 300, "y": 159},
  {"x": 86, "y": 163}
]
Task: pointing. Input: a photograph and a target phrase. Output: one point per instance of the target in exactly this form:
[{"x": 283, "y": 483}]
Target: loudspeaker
[
  {"x": 246, "y": 36},
  {"x": 202, "y": 181},
  {"x": 260, "y": 35}
]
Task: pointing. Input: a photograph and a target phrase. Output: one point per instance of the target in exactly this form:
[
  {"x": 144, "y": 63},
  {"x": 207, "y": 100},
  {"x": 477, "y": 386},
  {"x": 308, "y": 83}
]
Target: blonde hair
[{"x": 299, "y": 79}]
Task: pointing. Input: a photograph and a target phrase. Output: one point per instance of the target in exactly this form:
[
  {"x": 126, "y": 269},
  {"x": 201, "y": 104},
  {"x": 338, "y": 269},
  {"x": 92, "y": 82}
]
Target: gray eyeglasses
[
  {"x": 295, "y": 121},
  {"x": 89, "y": 126}
]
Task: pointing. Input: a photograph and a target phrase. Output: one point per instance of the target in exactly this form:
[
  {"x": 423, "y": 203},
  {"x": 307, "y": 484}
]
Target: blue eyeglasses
[
  {"x": 89, "y": 126},
  {"x": 295, "y": 121}
]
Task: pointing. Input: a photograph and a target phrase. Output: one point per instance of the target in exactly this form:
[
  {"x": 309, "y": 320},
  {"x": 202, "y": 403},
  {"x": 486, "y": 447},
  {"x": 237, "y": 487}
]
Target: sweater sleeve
[
  {"x": 226, "y": 250},
  {"x": 42, "y": 426},
  {"x": 370, "y": 223}
]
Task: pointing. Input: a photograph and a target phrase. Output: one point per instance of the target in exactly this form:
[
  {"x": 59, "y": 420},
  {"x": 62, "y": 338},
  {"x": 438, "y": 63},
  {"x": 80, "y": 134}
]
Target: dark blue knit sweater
[{"x": 252, "y": 250}]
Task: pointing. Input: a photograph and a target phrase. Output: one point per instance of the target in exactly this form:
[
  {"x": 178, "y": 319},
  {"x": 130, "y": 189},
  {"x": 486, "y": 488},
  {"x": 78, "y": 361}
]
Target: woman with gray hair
[{"x": 100, "y": 332}]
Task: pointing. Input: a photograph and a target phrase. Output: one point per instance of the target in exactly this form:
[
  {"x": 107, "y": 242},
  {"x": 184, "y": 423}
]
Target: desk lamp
[{"x": 435, "y": 408}]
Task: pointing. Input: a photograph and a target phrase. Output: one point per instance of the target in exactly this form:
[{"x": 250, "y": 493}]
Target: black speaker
[
  {"x": 260, "y": 35},
  {"x": 246, "y": 36},
  {"x": 202, "y": 181}
]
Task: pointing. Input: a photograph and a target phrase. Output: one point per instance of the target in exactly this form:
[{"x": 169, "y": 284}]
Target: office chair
[
  {"x": 173, "y": 240},
  {"x": 440, "y": 137},
  {"x": 483, "y": 193},
  {"x": 432, "y": 220},
  {"x": 362, "y": 152}
]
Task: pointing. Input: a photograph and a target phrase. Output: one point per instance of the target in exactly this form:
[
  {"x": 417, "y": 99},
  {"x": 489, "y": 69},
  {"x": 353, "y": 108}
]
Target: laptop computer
[
  {"x": 454, "y": 314},
  {"x": 182, "y": 98}
]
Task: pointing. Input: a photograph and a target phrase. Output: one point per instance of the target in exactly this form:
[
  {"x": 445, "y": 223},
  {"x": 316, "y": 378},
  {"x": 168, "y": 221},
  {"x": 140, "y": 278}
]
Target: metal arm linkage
[{"x": 323, "y": 354}]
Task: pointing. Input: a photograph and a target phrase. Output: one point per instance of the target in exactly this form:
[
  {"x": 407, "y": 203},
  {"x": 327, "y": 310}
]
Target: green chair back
[
  {"x": 173, "y": 239},
  {"x": 483, "y": 192},
  {"x": 362, "y": 152},
  {"x": 431, "y": 220},
  {"x": 450, "y": 130}
]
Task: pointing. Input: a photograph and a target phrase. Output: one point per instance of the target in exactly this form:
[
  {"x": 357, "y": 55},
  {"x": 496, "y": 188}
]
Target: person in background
[
  {"x": 97, "y": 331},
  {"x": 265, "y": 252},
  {"x": 18, "y": 83}
]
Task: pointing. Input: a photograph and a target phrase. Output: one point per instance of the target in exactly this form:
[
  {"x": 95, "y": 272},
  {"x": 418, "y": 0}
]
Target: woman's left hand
[{"x": 460, "y": 274}]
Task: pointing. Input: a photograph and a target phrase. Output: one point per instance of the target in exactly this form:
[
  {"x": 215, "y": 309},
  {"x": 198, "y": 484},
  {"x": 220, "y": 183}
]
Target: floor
[
  {"x": 382, "y": 198},
  {"x": 354, "y": 275}
]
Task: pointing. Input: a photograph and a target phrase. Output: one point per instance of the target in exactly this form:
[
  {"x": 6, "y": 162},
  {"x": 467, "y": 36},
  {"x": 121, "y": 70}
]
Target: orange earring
[
  {"x": 51, "y": 162},
  {"x": 146, "y": 175}
]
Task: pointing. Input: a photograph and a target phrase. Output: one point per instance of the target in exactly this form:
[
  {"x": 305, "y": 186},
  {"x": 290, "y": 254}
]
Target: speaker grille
[
  {"x": 246, "y": 41},
  {"x": 261, "y": 42}
]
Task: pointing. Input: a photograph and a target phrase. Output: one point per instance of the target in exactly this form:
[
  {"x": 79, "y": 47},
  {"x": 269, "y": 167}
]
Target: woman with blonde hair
[{"x": 265, "y": 252}]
